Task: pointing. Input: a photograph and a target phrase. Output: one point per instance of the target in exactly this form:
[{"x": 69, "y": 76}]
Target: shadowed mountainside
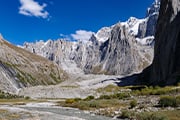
[{"x": 165, "y": 68}]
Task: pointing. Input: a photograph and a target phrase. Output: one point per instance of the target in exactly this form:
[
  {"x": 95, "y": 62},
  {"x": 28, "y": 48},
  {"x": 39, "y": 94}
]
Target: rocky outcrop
[
  {"x": 148, "y": 26},
  {"x": 166, "y": 67},
  {"x": 20, "y": 68},
  {"x": 8, "y": 80}
]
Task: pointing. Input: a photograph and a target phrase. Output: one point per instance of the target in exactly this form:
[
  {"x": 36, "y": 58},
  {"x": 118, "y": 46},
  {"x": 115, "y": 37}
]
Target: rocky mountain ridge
[
  {"x": 124, "y": 48},
  {"x": 20, "y": 68}
]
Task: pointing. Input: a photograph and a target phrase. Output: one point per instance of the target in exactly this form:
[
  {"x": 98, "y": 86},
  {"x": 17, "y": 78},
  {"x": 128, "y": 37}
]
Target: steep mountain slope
[
  {"x": 20, "y": 68},
  {"x": 121, "y": 49},
  {"x": 148, "y": 26},
  {"x": 120, "y": 54},
  {"x": 166, "y": 68}
]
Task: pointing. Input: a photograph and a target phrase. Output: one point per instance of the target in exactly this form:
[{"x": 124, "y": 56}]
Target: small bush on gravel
[
  {"x": 133, "y": 104},
  {"x": 121, "y": 95},
  {"x": 89, "y": 98},
  {"x": 70, "y": 101},
  {"x": 125, "y": 114},
  {"x": 105, "y": 97},
  {"x": 168, "y": 101}
]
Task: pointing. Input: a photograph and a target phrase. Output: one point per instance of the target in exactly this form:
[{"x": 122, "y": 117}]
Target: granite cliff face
[
  {"x": 121, "y": 49},
  {"x": 20, "y": 68},
  {"x": 166, "y": 67},
  {"x": 120, "y": 54},
  {"x": 148, "y": 26}
]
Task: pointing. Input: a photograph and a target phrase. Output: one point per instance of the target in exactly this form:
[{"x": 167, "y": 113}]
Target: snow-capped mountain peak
[
  {"x": 103, "y": 34},
  {"x": 133, "y": 25},
  {"x": 140, "y": 28}
]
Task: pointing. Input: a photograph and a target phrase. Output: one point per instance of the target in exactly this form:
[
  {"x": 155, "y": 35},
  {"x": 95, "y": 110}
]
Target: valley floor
[
  {"x": 80, "y": 86},
  {"x": 43, "y": 111},
  {"x": 130, "y": 102}
]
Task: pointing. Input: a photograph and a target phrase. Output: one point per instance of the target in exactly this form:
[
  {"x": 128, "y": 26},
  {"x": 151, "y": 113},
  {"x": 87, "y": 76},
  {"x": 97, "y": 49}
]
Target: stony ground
[
  {"x": 44, "y": 111},
  {"x": 80, "y": 86}
]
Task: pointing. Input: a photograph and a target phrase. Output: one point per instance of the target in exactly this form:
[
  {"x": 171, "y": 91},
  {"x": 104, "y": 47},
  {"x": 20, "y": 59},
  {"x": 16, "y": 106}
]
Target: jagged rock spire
[{"x": 154, "y": 9}]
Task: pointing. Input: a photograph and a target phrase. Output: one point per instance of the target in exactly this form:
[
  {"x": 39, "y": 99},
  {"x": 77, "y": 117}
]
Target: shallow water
[
  {"x": 59, "y": 113},
  {"x": 47, "y": 111}
]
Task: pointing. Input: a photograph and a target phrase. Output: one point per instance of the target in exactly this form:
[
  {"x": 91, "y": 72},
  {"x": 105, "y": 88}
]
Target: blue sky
[{"x": 32, "y": 20}]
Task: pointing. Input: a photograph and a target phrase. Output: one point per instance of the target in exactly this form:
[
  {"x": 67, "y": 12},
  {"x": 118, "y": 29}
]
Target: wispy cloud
[
  {"x": 67, "y": 37},
  {"x": 33, "y": 8},
  {"x": 82, "y": 35}
]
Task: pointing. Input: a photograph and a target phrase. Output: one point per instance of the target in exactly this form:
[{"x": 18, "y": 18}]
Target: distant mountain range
[{"x": 121, "y": 49}]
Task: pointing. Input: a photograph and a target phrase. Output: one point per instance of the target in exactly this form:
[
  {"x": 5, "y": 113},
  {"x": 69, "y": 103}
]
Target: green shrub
[
  {"x": 4, "y": 95},
  {"x": 115, "y": 96},
  {"x": 93, "y": 105},
  {"x": 121, "y": 95},
  {"x": 137, "y": 87},
  {"x": 105, "y": 97},
  {"x": 77, "y": 99},
  {"x": 133, "y": 103},
  {"x": 178, "y": 100},
  {"x": 27, "y": 98},
  {"x": 125, "y": 114},
  {"x": 168, "y": 101},
  {"x": 70, "y": 101},
  {"x": 155, "y": 91},
  {"x": 89, "y": 98}
]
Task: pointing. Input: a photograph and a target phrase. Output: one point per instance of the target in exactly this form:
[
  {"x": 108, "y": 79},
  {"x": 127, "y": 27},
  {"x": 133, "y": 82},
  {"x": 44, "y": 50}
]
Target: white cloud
[
  {"x": 82, "y": 35},
  {"x": 33, "y": 8},
  {"x": 67, "y": 37}
]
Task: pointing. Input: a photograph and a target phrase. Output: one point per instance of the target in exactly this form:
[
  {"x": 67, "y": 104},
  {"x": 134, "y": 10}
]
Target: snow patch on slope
[
  {"x": 103, "y": 34},
  {"x": 145, "y": 41},
  {"x": 132, "y": 24}
]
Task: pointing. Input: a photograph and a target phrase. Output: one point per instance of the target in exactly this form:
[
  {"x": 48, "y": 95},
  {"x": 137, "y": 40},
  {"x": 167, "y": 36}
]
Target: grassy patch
[
  {"x": 133, "y": 103},
  {"x": 140, "y": 90},
  {"x": 109, "y": 88},
  {"x": 151, "y": 116},
  {"x": 160, "y": 115},
  {"x": 169, "y": 101},
  {"x": 115, "y": 96},
  {"x": 143, "y": 116},
  {"x": 4, "y": 95},
  {"x": 18, "y": 101},
  {"x": 126, "y": 114},
  {"x": 172, "y": 115},
  {"x": 88, "y": 98},
  {"x": 91, "y": 104},
  {"x": 156, "y": 91},
  {"x": 70, "y": 101}
]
